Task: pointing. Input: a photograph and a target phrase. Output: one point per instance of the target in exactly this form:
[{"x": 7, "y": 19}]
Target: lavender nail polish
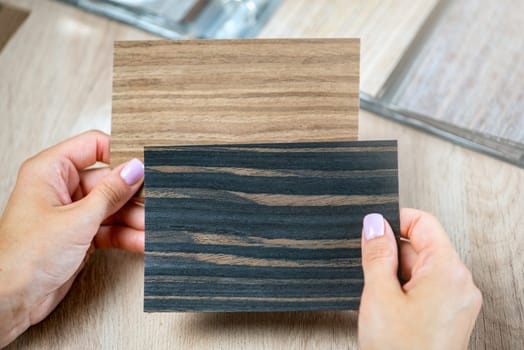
[
  {"x": 373, "y": 226},
  {"x": 132, "y": 172}
]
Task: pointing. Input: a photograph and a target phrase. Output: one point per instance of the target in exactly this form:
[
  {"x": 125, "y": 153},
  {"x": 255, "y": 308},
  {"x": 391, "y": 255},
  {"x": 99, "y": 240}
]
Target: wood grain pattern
[
  {"x": 233, "y": 91},
  {"x": 262, "y": 227},
  {"x": 469, "y": 71},
  {"x": 104, "y": 308},
  {"x": 10, "y": 19}
]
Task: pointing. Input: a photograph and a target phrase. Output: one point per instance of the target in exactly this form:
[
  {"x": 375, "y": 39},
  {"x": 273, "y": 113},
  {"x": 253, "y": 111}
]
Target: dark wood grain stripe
[
  {"x": 270, "y": 199},
  {"x": 183, "y": 266},
  {"x": 275, "y": 160},
  {"x": 267, "y": 299},
  {"x": 176, "y": 237},
  {"x": 251, "y": 241},
  {"x": 253, "y": 281},
  {"x": 244, "y": 219},
  {"x": 280, "y": 185},
  {"x": 183, "y": 303},
  {"x": 262, "y": 227},
  {"x": 230, "y": 259},
  {"x": 265, "y": 172}
]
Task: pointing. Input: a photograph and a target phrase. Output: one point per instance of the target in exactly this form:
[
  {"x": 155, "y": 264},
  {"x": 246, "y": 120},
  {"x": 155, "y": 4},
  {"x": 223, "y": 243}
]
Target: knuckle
[
  {"x": 102, "y": 141},
  {"x": 458, "y": 273},
  {"x": 96, "y": 133},
  {"x": 464, "y": 276},
  {"x": 431, "y": 219},
  {"x": 422, "y": 214},
  {"x": 427, "y": 214},
  {"x": 380, "y": 251},
  {"x": 26, "y": 166},
  {"x": 111, "y": 194},
  {"x": 477, "y": 298},
  {"x": 464, "y": 284}
]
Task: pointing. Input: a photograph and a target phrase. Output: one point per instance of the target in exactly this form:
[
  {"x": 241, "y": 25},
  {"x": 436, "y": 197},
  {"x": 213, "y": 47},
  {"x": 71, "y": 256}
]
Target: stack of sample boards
[{"x": 255, "y": 184}]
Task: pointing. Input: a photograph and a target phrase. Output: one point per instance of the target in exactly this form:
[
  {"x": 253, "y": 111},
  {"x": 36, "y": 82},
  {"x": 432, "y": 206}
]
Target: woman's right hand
[{"x": 437, "y": 306}]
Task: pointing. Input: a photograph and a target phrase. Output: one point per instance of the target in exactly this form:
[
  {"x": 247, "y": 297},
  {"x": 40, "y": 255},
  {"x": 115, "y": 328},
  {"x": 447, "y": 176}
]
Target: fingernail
[
  {"x": 132, "y": 172},
  {"x": 373, "y": 226}
]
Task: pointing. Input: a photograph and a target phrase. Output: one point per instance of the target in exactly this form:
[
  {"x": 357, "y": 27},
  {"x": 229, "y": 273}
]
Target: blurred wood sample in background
[{"x": 468, "y": 71}]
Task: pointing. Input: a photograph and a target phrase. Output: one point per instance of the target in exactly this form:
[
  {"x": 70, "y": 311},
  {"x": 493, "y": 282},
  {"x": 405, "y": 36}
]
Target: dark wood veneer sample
[{"x": 262, "y": 227}]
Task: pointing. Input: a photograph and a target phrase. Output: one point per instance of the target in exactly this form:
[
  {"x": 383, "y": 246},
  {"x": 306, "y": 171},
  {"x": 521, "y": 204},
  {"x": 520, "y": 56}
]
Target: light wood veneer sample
[{"x": 233, "y": 91}]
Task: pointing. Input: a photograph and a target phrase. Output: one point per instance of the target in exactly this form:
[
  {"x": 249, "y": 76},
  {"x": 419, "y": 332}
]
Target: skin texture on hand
[
  {"x": 438, "y": 305},
  {"x": 56, "y": 216}
]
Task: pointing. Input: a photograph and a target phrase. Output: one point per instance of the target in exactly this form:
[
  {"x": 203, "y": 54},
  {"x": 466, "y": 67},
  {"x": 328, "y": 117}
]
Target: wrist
[{"x": 14, "y": 310}]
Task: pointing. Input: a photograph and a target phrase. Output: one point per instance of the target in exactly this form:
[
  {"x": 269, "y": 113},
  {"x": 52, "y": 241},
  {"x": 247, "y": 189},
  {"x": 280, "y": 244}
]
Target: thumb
[
  {"x": 114, "y": 190},
  {"x": 379, "y": 256}
]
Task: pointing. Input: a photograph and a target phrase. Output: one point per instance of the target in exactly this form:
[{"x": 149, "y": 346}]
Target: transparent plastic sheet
[{"x": 186, "y": 19}]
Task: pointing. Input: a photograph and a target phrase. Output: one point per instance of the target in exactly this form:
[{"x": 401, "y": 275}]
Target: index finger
[
  {"x": 422, "y": 229},
  {"x": 83, "y": 150}
]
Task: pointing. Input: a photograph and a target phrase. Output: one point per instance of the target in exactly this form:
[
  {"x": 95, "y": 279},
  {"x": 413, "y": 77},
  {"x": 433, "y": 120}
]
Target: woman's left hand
[{"x": 57, "y": 215}]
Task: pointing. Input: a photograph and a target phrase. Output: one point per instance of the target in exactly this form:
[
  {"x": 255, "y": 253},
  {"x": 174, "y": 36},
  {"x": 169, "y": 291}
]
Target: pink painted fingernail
[
  {"x": 373, "y": 226},
  {"x": 132, "y": 172}
]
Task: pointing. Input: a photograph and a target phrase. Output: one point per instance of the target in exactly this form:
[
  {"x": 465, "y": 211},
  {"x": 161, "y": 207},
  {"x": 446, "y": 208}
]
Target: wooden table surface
[{"x": 55, "y": 81}]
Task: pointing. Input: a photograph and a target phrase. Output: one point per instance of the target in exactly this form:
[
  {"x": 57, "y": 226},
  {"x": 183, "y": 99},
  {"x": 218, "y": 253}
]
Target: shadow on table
[{"x": 320, "y": 320}]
